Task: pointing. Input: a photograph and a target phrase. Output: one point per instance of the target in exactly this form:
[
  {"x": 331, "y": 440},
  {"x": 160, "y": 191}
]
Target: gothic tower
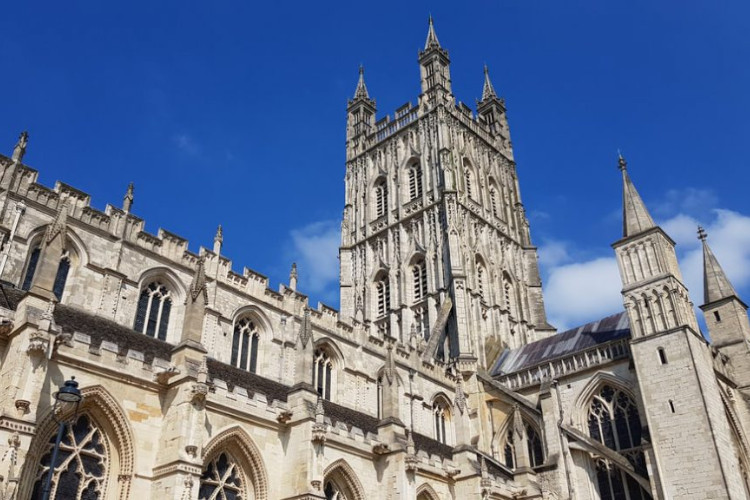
[
  {"x": 686, "y": 421},
  {"x": 435, "y": 243}
]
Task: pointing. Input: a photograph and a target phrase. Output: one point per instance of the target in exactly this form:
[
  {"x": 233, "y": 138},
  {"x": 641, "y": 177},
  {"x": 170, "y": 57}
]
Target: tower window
[
  {"x": 62, "y": 275},
  {"x": 31, "y": 268},
  {"x": 415, "y": 182},
  {"x": 245, "y": 345},
  {"x": 662, "y": 355},
  {"x": 381, "y": 199},
  {"x": 152, "y": 314},
  {"x": 493, "y": 201},
  {"x": 419, "y": 276},
  {"x": 383, "y": 290},
  {"x": 717, "y": 316},
  {"x": 322, "y": 373},
  {"x": 441, "y": 415},
  {"x": 469, "y": 183}
]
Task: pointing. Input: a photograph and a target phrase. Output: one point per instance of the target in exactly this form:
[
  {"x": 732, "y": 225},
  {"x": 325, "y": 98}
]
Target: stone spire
[
  {"x": 488, "y": 92},
  {"x": 716, "y": 285},
  {"x": 20, "y": 148},
  {"x": 635, "y": 217},
  {"x": 361, "y": 91},
  {"x": 127, "y": 201},
  {"x": 218, "y": 240},
  {"x": 432, "y": 39}
]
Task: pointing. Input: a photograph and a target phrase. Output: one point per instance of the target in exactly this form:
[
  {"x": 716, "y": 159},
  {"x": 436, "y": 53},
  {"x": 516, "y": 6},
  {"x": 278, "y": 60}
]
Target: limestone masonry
[{"x": 439, "y": 378}]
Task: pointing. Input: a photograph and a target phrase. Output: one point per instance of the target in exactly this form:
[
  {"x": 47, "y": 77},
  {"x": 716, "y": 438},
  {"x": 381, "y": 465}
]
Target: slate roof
[
  {"x": 607, "y": 329},
  {"x": 252, "y": 383}
]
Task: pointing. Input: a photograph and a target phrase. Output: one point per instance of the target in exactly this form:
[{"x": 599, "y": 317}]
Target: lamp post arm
[{"x": 48, "y": 485}]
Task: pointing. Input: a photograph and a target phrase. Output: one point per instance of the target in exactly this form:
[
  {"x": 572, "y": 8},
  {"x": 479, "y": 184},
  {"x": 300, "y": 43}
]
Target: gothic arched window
[
  {"x": 415, "y": 181},
  {"x": 419, "y": 279},
  {"x": 322, "y": 373},
  {"x": 152, "y": 314},
  {"x": 60, "y": 277},
  {"x": 469, "y": 183},
  {"x": 481, "y": 278},
  {"x": 441, "y": 416},
  {"x": 493, "y": 201},
  {"x": 381, "y": 199},
  {"x": 383, "y": 292},
  {"x": 534, "y": 446},
  {"x": 80, "y": 472},
  {"x": 245, "y": 345},
  {"x": 510, "y": 450},
  {"x": 31, "y": 268},
  {"x": 613, "y": 420},
  {"x": 333, "y": 492},
  {"x": 222, "y": 480}
]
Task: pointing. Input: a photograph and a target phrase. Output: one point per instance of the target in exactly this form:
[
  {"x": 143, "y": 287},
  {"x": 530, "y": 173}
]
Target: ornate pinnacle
[
  {"x": 293, "y": 272},
  {"x": 361, "y": 91},
  {"x": 488, "y": 92},
  {"x": 219, "y": 238},
  {"x": 20, "y": 148},
  {"x": 432, "y": 40},
  {"x": 621, "y": 163},
  {"x": 127, "y": 201},
  {"x": 702, "y": 235}
]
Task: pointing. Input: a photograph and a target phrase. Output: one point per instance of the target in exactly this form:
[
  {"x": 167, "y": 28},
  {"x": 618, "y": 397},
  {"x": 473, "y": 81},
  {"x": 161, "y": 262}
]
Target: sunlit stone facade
[{"x": 439, "y": 378}]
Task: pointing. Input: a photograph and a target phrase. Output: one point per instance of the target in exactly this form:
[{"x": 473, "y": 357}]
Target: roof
[{"x": 607, "y": 329}]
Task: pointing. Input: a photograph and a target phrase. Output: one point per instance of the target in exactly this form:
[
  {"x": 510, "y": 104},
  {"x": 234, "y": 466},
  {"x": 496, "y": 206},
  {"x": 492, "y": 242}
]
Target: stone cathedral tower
[{"x": 435, "y": 243}]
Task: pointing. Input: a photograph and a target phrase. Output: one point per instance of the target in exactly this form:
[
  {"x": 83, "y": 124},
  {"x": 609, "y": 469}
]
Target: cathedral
[{"x": 134, "y": 368}]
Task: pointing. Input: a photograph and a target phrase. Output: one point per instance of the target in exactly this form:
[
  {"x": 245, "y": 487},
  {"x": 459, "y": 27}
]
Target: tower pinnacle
[
  {"x": 716, "y": 285},
  {"x": 635, "y": 217},
  {"x": 432, "y": 39},
  {"x": 488, "y": 92},
  {"x": 361, "y": 92}
]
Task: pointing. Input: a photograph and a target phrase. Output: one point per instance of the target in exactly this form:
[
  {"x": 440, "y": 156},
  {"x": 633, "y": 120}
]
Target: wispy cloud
[
  {"x": 186, "y": 144},
  {"x": 315, "y": 249},
  {"x": 581, "y": 290}
]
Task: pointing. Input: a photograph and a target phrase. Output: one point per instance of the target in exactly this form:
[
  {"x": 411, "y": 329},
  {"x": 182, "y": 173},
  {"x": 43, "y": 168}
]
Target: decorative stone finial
[
  {"x": 20, "y": 148},
  {"x": 488, "y": 91},
  {"x": 293, "y": 277},
  {"x": 432, "y": 39},
  {"x": 219, "y": 235},
  {"x": 702, "y": 235},
  {"x": 127, "y": 201},
  {"x": 621, "y": 163}
]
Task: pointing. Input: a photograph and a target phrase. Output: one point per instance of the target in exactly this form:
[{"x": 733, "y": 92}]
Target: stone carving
[{"x": 20, "y": 150}]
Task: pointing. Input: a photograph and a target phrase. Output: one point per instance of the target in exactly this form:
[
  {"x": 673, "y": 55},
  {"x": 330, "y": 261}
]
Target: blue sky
[{"x": 234, "y": 113}]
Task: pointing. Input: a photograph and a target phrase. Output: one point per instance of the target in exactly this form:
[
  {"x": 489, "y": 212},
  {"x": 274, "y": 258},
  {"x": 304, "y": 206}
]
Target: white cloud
[
  {"x": 186, "y": 144},
  {"x": 689, "y": 201},
  {"x": 581, "y": 291},
  {"x": 315, "y": 249}
]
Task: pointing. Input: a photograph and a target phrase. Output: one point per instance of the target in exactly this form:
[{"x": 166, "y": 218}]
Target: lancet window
[
  {"x": 245, "y": 345},
  {"x": 61, "y": 277},
  {"x": 481, "y": 278},
  {"x": 614, "y": 421},
  {"x": 383, "y": 292},
  {"x": 152, "y": 314},
  {"x": 533, "y": 443},
  {"x": 441, "y": 416},
  {"x": 381, "y": 199},
  {"x": 333, "y": 492},
  {"x": 222, "y": 480},
  {"x": 322, "y": 373},
  {"x": 415, "y": 181},
  {"x": 419, "y": 279},
  {"x": 80, "y": 472},
  {"x": 469, "y": 179}
]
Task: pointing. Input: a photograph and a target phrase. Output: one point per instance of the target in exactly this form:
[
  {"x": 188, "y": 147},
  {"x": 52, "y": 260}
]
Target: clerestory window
[
  {"x": 245, "y": 345},
  {"x": 322, "y": 373},
  {"x": 152, "y": 313}
]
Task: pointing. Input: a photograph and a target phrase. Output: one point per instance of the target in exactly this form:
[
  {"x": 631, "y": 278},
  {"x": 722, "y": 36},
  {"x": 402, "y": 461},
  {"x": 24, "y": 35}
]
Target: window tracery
[
  {"x": 322, "y": 373},
  {"x": 419, "y": 279},
  {"x": 222, "y": 480},
  {"x": 441, "y": 415},
  {"x": 152, "y": 313},
  {"x": 245, "y": 345},
  {"x": 381, "y": 199},
  {"x": 383, "y": 291},
  {"x": 61, "y": 276},
  {"x": 415, "y": 181},
  {"x": 333, "y": 492},
  {"x": 613, "y": 420},
  {"x": 82, "y": 461}
]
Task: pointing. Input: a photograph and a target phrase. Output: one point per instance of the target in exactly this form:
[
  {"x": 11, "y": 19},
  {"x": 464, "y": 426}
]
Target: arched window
[
  {"x": 245, "y": 345},
  {"x": 421, "y": 325},
  {"x": 480, "y": 279},
  {"x": 415, "y": 181},
  {"x": 31, "y": 268},
  {"x": 381, "y": 198},
  {"x": 152, "y": 314},
  {"x": 80, "y": 472},
  {"x": 469, "y": 177},
  {"x": 534, "y": 445},
  {"x": 380, "y": 396},
  {"x": 60, "y": 277},
  {"x": 441, "y": 416},
  {"x": 613, "y": 420},
  {"x": 419, "y": 279},
  {"x": 493, "y": 201},
  {"x": 222, "y": 480},
  {"x": 383, "y": 292},
  {"x": 510, "y": 450},
  {"x": 322, "y": 373}
]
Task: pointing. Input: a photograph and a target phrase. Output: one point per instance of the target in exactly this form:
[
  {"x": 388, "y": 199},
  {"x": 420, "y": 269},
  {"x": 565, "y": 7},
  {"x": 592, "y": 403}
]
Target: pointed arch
[
  {"x": 594, "y": 385},
  {"x": 238, "y": 443},
  {"x": 178, "y": 289},
  {"x": 106, "y": 414},
  {"x": 250, "y": 329},
  {"x": 344, "y": 477},
  {"x": 427, "y": 492}
]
